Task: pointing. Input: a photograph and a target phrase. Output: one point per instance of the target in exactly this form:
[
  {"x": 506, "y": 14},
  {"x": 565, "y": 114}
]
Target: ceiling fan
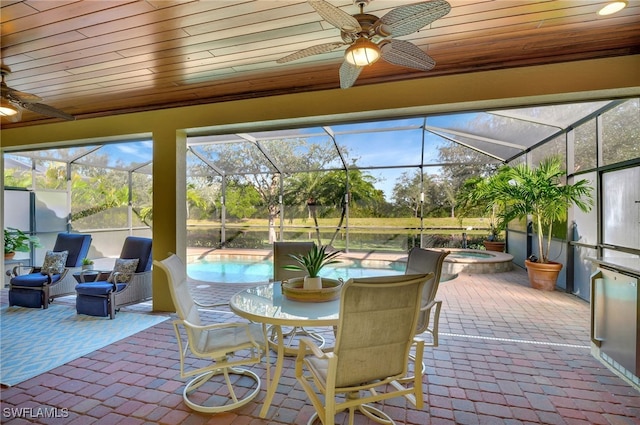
[
  {"x": 370, "y": 38},
  {"x": 13, "y": 101}
]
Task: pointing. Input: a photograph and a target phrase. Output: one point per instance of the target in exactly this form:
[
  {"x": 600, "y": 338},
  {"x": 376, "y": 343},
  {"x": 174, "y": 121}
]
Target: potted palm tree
[
  {"x": 15, "y": 240},
  {"x": 312, "y": 262},
  {"x": 540, "y": 194}
]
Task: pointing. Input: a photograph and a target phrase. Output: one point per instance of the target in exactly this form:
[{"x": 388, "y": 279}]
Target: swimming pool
[{"x": 238, "y": 270}]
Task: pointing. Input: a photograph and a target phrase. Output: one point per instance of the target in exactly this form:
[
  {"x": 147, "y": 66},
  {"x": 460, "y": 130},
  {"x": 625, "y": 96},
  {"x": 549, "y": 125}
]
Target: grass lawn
[{"x": 444, "y": 225}]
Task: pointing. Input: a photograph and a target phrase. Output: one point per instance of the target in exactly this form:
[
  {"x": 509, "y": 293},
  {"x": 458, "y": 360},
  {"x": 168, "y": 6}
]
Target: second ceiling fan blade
[
  {"x": 336, "y": 17},
  {"x": 405, "y": 20},
  {"x": 310, "y": 51},
  {"x": 43, "y": 109},
  {"x": 404, "y": 53},
  {"x": 348, "y": 74}
]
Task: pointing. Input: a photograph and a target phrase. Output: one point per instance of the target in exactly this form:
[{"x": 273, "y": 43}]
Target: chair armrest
[
  {"x": 430, "y": 305},
  {"x": 433, "y": 329},
  {"x": 308, "y": 346},
  {"x": 210, "y": 305},
  {"x": 17, "y": 270},
  {"x": 49, "y": 277},
  {"x": 213, "y": 325}
]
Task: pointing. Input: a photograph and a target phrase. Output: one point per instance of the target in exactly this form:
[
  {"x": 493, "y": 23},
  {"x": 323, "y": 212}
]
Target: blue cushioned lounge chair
[
  {"x": 104, "y": 298},
  {"x": 35, "y": 289}
]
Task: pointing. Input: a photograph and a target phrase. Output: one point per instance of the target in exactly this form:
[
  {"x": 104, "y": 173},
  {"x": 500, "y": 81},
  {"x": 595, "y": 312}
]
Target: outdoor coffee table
[{"x": 91, "y": 276}]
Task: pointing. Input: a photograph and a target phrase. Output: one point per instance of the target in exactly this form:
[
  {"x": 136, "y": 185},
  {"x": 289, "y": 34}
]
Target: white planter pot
[{"x": 312, "y": 282}]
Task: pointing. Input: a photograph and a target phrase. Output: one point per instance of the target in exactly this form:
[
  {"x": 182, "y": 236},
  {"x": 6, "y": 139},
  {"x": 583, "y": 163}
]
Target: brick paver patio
[{"x": 508, "y": 354}]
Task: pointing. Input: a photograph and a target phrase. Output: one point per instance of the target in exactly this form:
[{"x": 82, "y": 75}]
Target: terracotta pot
[
  {"x": 9, "y": 255},
  {"x": 543, "y": 276},
  {"x": 494, "y": 246}
]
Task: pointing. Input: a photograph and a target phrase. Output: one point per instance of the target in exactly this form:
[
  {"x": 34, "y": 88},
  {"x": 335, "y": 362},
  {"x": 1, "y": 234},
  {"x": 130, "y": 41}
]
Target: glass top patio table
[{"x": 265, "y": 304}]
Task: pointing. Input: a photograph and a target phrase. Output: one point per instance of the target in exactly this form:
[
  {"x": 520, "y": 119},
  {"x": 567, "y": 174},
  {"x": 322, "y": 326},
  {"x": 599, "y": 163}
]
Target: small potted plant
[
  {"x": 15, "y": 240},
  {"x": 312, "y": 262},
  {"x": 478, "y": 195},
  {"x": 87, "y": 264}
]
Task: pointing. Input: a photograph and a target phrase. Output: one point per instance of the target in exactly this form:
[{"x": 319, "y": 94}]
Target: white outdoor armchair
[{"x": 215, "y": 342}]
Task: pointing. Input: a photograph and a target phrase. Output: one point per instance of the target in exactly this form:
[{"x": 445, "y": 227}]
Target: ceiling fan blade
[
  {"x": 9, "y": 93},
  {"x": 404, "y": 53},
  {"x": 41, "y": 108},
  {"x": 310, "y": 51},
  {"x": 405, "y": 20},
  {"x": 336, "y": 17},
  {"x": 348, "y": 74}
]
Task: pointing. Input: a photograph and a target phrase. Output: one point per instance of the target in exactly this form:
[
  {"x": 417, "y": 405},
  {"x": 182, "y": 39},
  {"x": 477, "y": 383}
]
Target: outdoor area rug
[{"x": 34, "y": 341}]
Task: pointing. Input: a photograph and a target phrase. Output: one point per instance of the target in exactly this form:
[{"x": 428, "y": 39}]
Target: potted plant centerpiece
[
  {"x": 87, "y": 264},
  {"x": 15, "y": 240},
  {"x": 539, "y": 193},
  {"x": 312, "y": 262}
]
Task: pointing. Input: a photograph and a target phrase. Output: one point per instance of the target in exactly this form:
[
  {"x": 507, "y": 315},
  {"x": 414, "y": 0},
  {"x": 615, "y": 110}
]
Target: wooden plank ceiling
[{"x": 97, "y": 58}]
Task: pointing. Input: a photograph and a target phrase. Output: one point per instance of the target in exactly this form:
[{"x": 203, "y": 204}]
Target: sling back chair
[
  {"x": 40, "y": 285},
  {"x": 375, "y": 333},
  {"x": 129, "y": 282},
  {"x": 214, "y": 342},
  {"x": 281, "y": 258},
  {"x": 428, "y": 261}
]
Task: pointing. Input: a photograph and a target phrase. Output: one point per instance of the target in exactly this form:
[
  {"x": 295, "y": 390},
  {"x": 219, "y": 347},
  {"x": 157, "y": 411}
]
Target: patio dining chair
[
  {"x": 422, "y": 260},
  {"x": 375, "y": 333},
  {"x": 428, "y": 261},
  {"x": 38, "y": 286},
  {"x": 282, "y": 252},
  {"x": 129, "y": 282},
  {"x": 214, "y": 342}
]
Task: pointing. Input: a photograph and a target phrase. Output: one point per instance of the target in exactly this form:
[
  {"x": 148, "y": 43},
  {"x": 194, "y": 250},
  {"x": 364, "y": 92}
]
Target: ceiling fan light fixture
[
  {"x": 362, "y": 53},
  {"x": 612, "y": 7},
  {"x": 7, "y": 109}
]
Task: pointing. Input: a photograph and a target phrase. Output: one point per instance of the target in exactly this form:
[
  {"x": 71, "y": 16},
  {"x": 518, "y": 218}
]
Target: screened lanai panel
[
  {"x": 99, "y": 197},
  {"x": 555, "y": 147},
  {"x": 54, "y": 176},
  {"x": 240, "y": 157},
  {"x": 621, "y": 132},
  {"x": 585, "y": 143},
  {"x": 303, "y": 150},
  {"x": 559, "y": 116},
  {"x": 391, "y": 147},
  {"x": 17, "y": 171},
  {"x": 145, "y": 169},
  {"x": 142, "y": 199},
  {"x": 389, "y": 143},
  {"x": 59, "y": 154},
  {"x": 490, "y": 127},
  {"x": 492, "y": 152},
  {"x": 121, "y": 156},
  {"x": 196, "y": 167}
]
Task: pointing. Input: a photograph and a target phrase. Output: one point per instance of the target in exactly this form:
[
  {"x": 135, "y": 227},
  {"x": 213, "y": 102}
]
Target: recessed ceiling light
[{"x": 613, "y": 7}]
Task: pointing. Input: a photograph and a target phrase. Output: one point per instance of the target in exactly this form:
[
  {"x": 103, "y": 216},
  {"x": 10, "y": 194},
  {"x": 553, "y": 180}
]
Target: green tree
[{"x": 463, "y": 163}]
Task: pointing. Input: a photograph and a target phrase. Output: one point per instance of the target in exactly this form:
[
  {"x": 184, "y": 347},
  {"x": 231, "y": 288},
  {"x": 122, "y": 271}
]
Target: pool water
[{"x": 248, "y": 271}]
